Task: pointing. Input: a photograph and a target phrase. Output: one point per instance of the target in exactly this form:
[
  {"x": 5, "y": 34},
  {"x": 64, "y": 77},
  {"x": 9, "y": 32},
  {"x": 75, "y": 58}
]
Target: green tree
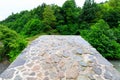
[
  {"x": 112, "y": 13},
  {"x": 69, "y": 29},
  {"x": 58, "y": 14},
  {"x": 112, "y": 17},
  {"x": 70, "y": 11},
  {"x": 115, "y": 4},
  {"x": 39, "y": 11},
  {"x": 49, "y": 17},
  {"x": 89, "y": 11},
  {"x": 12, "y": 42},
  {"x": 117, "y": 33},
  {"x": 102, "y": 38},
  {"x": 17, "y": 21},
  {"x": 33, "y": 27}
]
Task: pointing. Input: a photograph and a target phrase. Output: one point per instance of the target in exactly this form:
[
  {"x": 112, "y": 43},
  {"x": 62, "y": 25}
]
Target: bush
[
  {"x": 102, "y": 38},
  {"x": 69, "y": 29},
  {"x": 33, "y": 27},
  {"x": 1, "y": 50},
  {"x": 117, "y": 33},
  {"x": 13, "y": 43}
]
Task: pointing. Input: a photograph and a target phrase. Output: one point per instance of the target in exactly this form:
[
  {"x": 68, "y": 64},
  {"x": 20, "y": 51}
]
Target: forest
[{"x": 98, "y": 23}]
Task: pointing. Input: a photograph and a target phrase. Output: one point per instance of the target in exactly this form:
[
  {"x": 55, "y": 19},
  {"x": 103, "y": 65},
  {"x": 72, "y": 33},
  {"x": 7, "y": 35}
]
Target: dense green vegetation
[
  {"x": 98, "y": 23},
  {"x": 11, "y": 43}
]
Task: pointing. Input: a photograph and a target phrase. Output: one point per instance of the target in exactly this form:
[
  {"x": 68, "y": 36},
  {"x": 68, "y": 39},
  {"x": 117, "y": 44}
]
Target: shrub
[
  {"x": 1, "y": 50},
  {"x": 102, "y": 38},
  {"x": 33, "y": 27},
  {"x": 13, "y": 43},
  {"x": 69, "y": 29}
]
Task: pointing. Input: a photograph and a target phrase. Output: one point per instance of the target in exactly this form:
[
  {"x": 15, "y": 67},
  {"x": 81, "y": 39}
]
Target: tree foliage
[
  {"x": 70, "y": 11},
  {"x": 89, "y": 11},
  {"x": 102, "y": 38},
  {"x": 11, "y": 42},
  {"x": 48, "y": 16},
  {"x": 33, "y": 27}
]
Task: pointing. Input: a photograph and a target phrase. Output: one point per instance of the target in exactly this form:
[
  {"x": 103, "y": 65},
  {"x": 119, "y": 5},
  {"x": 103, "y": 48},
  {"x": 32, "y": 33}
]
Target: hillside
[{"x": 98, "y": 23}]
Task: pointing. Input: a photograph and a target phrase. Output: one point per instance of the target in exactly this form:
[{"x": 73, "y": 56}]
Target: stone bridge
[{"x": 60, "y": 58}]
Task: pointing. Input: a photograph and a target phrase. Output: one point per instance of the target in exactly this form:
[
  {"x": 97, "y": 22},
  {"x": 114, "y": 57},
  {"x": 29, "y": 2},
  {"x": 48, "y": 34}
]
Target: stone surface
[
  {"x": 18, "y": 62},
  {"x": 8, "y": 74},
  {"x": 97, "y": 70},
  {"x": 17, "y": 77},
  {"x": 60, "y": 58},
  {"x": 82, "y": 78}
]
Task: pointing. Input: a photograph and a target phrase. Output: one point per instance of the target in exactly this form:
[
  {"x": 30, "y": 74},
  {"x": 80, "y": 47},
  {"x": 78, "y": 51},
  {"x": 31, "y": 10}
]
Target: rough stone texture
[{"x": 60, "y": 58}]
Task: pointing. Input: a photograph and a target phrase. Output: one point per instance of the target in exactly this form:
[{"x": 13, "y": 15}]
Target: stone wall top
[{"x": 54, "y": 57}]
